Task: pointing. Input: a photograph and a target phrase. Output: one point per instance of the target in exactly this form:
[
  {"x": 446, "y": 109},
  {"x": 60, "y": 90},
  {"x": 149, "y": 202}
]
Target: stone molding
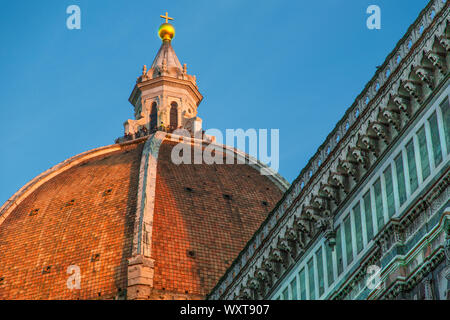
[
  {"x": 172, "y": 82},
  {"x": 141, "y": 271},
  {"x": 141, "y": 265},
  {"x": 143, "y": 224}
]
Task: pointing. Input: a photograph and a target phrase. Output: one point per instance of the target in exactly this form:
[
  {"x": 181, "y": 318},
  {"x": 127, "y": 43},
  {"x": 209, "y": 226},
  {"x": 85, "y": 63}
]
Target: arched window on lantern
[
  {"x": 174, "y": 115},
  {"x": 153, "y": 116}
]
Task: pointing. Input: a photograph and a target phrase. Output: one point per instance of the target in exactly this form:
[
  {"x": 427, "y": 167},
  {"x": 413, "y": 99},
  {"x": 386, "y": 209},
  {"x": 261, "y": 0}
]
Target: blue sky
[{"x": 289, "y": 65}]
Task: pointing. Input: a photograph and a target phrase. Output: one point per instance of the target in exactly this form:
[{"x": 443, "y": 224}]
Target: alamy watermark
[
  {"x": 74, "y": 20},
  {"x": 374, "y": 20},
  {"x": 256, "y": 141},
  {"x": 74, "y": 280},
  {"x": 373, "y": 281}
]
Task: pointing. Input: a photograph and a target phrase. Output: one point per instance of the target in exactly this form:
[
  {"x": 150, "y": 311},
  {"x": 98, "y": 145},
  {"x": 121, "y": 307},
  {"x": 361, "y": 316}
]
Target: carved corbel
[
  {"x": 414, "y": 89},
  {"x": 311, "y": 211},
  {"x": 321, "y": 202},
  {"x": 257, "y": 283},
  {"x": 303, "y": 225},
  {"x": 360, "y": 144},
  {"x": 292, "y": 234},
  {"x": 325, "y": 222},
  {"x": 283, "y": 245},
  {"x": 444, "y": 41},
  {"x": 392, "y": 117},
  {"x": 404, "y": 103},
  {"x": 381, "y": 117},
  {"x": 314, "y": 214},
  {"x": 305, "y": 231},
  {"x": 274, "y": 262},
  {"x": 381, "y": 130},
  {"x": 287, "y": 246},
  {"x": 349, "y": 167},
  {"x": 263, "y": 276},
  {"x": 277, "y": 256},
  {"x": 268, "y": 264},
  {"x": 254, "y": 284},
  {"x": 292, "y": 242},
  {"x": 340, "y": 180},
  {"x": 245, "y": 293},
  {"x": 331, "y": 191},
  {"x": 295, "y": 239},
  {"x": 426, "y": 75},
  {"x": 361, "y": 157},
  {"x": 438, "y": 60},
  {"x": 370, "y": 143},
  {"x": 303, "y": 240}
]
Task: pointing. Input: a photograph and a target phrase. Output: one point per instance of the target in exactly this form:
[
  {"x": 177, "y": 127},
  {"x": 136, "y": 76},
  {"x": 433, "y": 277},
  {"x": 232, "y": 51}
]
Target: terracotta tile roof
[{"x": 204, "y": 215}]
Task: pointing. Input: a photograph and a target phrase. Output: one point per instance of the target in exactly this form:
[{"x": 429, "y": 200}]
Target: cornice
[{"x": 170, "y": 81}]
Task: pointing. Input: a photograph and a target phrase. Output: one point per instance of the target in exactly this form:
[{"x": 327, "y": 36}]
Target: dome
[
  {"x": 92, "y": 211},
  {"x": 125, "y": 221}
]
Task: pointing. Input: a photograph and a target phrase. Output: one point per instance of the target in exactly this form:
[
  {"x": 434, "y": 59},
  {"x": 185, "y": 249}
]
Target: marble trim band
[{"x": 146, "y": 195}]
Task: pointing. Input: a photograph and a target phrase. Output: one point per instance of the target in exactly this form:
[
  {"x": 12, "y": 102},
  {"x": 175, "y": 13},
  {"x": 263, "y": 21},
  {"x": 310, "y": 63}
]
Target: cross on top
[{"x": 166, "y": 17}]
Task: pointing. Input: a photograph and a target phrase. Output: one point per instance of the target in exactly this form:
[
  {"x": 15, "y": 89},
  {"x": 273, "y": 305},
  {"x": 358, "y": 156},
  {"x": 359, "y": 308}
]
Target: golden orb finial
[{"x": 166, "y": 31}]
